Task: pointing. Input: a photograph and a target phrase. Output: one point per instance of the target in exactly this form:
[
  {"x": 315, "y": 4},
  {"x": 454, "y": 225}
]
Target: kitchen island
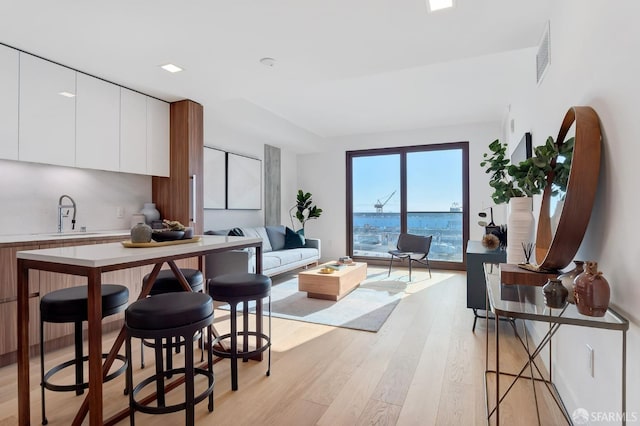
[{"x": 91, "y": 261}]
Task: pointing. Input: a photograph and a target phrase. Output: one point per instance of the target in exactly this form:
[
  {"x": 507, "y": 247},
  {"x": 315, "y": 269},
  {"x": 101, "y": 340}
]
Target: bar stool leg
[
  {"x": 159, "y": 372},
  {"x": 234, "y": 348},
  {"x": 188, "y": 383},
  {"x": 269, "y": 361},
  {"x": 129, "y": 380},
  {"x": 209, "y": 364},
  {"x": 245, "y": 329},
  {"x": 44, "y": 417}
]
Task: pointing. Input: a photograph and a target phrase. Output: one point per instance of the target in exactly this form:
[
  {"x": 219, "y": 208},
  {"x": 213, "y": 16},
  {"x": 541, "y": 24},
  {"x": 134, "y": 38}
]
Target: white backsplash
[{"x": 29, "y": 196}]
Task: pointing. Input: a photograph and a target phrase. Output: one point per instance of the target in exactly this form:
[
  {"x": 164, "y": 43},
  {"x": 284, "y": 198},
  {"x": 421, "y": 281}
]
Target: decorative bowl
[
  {"x": 167, "y": 235},
  {"x": 327, "y": 270},
  {"x": 188, "y": 233}
]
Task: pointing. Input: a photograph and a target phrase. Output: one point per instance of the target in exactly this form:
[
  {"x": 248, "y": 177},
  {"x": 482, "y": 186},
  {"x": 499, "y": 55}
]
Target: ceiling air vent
[{"x": 543, "y": 56}]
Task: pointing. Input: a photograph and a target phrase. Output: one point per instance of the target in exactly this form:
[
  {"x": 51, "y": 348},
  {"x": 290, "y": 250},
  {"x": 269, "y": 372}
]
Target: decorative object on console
[
  {"x": 592, "y": 291},
  {"x": 527, "y": 248},
  {"x": 568, "y": 278},
  {"x": 555, "y": 294},
  {"x": 521, "y": 225},
  {"x": 490, "y": 241},
  {"x": 304, "y": 209},
  {"x": 141, "y": 233},
  {"x": 150, "y": 212}
]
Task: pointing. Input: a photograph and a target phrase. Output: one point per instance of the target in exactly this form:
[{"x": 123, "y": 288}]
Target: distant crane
[{"x": 379, "y": 205}]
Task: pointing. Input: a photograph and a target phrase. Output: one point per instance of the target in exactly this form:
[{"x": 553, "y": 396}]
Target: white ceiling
[{"x": 342, "y": 66}]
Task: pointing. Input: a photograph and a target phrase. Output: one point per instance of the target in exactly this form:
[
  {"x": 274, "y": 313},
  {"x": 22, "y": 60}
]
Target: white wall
[
  {"x": 324, "y": 175},
  {"x": 219, "y": 135},
  {"x": 30, "y": 193},
  {"x": 594, "y": 62}
]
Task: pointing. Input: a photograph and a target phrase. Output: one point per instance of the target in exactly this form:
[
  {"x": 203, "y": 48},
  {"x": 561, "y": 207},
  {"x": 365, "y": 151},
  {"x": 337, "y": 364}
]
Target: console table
[
  {"x": 91, "y": 261},
  {"x": 526, "y": 302},
  {"x": 477, "y": 255}
]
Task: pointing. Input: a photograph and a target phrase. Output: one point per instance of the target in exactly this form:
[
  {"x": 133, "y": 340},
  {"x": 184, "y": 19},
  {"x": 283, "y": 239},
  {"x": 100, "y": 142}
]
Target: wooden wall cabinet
[{"x": 180, "y": 196}]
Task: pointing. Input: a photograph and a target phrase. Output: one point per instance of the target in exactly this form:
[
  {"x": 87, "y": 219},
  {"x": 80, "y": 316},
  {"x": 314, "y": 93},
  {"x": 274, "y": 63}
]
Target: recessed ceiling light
[
  {"x": 171, "y": 68},
  {"x": 439, "y": 4},
  {"x": 268, "y": 62},
  {"x": 67, "y": 94}
]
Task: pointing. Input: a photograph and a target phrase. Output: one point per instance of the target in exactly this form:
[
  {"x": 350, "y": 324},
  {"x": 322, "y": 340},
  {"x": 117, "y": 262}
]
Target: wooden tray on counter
[{"x": 129, "y": 244}]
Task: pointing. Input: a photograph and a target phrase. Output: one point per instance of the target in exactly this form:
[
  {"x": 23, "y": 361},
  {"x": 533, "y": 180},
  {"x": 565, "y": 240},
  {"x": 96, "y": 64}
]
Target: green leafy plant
[
  {"x": 304, "y": 209},
  {"x": 529, "y": 177}
]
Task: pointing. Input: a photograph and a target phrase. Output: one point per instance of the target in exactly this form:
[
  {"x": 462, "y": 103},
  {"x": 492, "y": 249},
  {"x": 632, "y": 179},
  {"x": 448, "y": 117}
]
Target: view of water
[{"x": 374, "y": 234}]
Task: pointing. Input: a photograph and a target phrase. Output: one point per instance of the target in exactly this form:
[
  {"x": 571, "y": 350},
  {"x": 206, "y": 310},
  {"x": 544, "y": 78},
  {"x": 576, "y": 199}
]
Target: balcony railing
[{"x": 374, "y": 234}]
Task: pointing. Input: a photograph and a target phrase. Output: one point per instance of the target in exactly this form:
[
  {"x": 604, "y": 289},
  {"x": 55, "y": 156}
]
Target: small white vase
[
  {"x": 150, "y": 212},
  {"x": 520, "y": 228}
]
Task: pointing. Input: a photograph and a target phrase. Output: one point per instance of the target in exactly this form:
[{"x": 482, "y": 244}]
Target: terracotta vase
[
  {"x": 569, "y": 277},
  {"x": 555, "y": 294},
  {"x": 592, "y": 291}
]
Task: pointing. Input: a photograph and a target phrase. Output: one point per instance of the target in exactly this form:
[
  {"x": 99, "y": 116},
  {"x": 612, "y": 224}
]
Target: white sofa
[{"x": 275, "y": 258}]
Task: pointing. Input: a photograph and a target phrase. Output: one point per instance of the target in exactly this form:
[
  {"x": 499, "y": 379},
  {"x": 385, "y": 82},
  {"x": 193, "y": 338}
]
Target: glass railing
[{"x": 374, "y": 234}]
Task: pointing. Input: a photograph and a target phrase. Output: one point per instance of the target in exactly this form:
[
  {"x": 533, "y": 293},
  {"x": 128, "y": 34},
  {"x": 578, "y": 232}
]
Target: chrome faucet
[{"x": 61, "y": 207}]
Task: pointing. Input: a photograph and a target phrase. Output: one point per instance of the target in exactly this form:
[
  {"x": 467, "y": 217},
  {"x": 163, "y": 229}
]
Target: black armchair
[{"x": 415, "y": 248}]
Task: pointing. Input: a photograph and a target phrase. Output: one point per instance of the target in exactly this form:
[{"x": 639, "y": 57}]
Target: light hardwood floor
[{"x": 424, "y": 367}]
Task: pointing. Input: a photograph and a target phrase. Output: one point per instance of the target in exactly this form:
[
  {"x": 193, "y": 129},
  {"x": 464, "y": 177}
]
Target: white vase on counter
[
  {"x": 150, "y": 212},
  {"x": 520, "y": 228}
]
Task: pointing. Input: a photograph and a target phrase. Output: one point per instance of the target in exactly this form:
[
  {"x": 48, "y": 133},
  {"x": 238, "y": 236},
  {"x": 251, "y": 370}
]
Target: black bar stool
[
  {"x": 166, "y": 282},
  {"x": 70, "y": 305},
  {"x": 166, "y": 316},
  {"x": 242, "y": 288}
]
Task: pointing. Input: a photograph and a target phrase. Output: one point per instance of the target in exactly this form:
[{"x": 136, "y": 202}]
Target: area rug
[{"x": 365, "y": 308}]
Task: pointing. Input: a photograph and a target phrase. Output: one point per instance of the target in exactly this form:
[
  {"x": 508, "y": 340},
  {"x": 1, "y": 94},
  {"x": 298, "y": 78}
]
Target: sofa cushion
[
  {"x": 271, "y": 260},
  {"x": 276, "y": 237},
  {"x": 286, "y": 256},
  {"x": 259, "y": 232},
  {"x": 292, "y": 239}
]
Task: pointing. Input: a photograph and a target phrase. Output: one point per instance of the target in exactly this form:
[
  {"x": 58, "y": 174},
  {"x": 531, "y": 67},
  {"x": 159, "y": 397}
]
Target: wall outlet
[
  {"x": 119, "y": 212},
  {"x": 590, "y": 359}
]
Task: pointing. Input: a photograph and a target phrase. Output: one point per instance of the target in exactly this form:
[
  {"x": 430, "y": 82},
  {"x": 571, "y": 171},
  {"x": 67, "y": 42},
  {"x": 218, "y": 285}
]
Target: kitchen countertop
[
  {"x": 65, "y": 236},
  {"x": 100, "y": 255}
]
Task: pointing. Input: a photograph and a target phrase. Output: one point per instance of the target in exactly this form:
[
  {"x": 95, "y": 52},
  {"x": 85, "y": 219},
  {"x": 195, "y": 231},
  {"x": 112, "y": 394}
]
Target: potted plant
[
  {"x": 516, "y": 184},
  {"x": 304, "y": 210}
]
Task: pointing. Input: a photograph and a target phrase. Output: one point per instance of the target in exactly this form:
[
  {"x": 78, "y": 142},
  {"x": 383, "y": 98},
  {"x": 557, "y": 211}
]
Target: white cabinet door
[
  {"x": 47, "y": 112},
  {"x": 97, "y": 124},
  {"x": 9, "y": 73},
  {"x": 157, "y": 137},
  {"x": 133, "y": 132}
]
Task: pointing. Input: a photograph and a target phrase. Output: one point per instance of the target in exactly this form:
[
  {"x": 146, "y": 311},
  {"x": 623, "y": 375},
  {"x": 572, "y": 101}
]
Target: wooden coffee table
[{"x": 332, "y": 286}]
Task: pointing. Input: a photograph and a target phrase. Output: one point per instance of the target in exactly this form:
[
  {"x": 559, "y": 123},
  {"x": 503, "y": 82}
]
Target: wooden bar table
[{"x": 91, "y": 261}]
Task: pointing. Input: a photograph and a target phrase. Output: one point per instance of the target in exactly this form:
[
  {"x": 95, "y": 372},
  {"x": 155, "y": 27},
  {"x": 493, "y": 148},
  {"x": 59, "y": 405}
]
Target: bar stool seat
[
  {"x": 166, "y": 316},
  {"x": 166, "y": 282},
  {"x": 242, "y": 288},
  {"x": 70, "y": 305}
]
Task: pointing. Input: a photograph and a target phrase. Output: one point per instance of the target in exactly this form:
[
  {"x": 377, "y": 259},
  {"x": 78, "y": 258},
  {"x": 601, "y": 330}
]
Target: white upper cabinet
[
  {"x": 133, "y": 132},
  {"x": 47, "y": 112},
  {"x": 9, "y": 90},
  {"x": 158, "y": 113},
  {"x": 97, "y": 124}
]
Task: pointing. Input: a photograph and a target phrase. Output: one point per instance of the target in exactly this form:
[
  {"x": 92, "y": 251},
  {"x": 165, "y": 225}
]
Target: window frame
[{"x": 403, "y": 151}]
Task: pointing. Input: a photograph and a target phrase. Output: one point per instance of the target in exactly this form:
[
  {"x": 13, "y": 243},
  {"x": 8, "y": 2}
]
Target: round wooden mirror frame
[{"x": 556, "y": 251}]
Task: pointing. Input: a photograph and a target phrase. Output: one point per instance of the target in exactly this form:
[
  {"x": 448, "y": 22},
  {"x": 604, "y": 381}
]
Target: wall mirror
[{"x": 568, "y": 201}]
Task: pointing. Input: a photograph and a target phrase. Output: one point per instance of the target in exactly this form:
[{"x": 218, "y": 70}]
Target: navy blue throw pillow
[{"x": 292, "y": 239}]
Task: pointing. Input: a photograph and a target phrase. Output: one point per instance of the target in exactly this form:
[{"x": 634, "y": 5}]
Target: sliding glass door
[{"x": 420, "y": 190}]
